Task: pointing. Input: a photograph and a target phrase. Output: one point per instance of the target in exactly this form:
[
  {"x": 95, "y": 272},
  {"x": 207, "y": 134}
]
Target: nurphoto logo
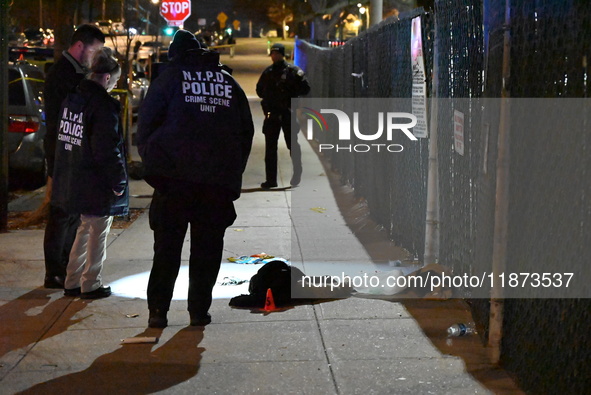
[{"x": 338, "y": 130}]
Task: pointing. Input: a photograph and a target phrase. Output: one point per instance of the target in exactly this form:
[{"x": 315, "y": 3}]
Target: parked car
[
  {"x": 34, "y": 37},
  {"x": 16, "y": 39},
  {"x": 105, "y": 26},
  {"x": 139, "y": 87},
  {"x": 26, "y": 120},
  {"x": 118, "y": 28},
  {"x": 150, "y": 48}
]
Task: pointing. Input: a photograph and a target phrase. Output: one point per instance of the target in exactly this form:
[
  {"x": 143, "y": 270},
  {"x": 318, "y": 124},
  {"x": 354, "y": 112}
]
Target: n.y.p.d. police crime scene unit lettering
[
  {"x": 71, "y": 129},
  {"x": 207, "y": 88}
]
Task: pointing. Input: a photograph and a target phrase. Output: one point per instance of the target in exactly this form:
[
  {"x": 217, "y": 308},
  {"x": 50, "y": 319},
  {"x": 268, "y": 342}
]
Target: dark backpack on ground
[{"x": 277, "y": 275}]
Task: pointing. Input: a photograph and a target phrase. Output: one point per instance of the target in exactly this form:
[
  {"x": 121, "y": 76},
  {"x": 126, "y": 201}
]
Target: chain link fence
[
  {"x": 376, "y": 65},
  {"x": 546, "y": 342},
  {"x": 550, "y": 201}
]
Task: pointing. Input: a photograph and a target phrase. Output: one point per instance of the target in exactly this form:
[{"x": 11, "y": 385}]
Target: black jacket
[
  {"x": 63, "y": 77},
  {"x": 195, "y": 126},
  {"x": 279, "y": 83},
  {"x": 90, "y": 160}
]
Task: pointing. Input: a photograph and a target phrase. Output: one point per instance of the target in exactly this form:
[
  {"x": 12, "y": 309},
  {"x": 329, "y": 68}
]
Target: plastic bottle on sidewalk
[{"x": 461, "y": 329}]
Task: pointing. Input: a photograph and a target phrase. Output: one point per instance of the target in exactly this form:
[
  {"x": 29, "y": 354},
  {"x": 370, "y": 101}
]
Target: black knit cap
[
  {"x": 182, "y": 41},
  {"x": 277, "y": 47}
]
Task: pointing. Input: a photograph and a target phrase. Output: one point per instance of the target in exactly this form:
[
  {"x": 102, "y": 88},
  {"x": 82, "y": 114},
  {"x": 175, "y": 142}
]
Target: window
[
  {"x": 16, "y": 89},
  {"x": 36, "y": 79}
]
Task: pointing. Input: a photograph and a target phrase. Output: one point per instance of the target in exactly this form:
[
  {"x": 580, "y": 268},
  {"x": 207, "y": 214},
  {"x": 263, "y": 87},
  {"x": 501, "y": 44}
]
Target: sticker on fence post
[
  {"x": 419, "y": 86},
  {"x": 459, "y": 132}
]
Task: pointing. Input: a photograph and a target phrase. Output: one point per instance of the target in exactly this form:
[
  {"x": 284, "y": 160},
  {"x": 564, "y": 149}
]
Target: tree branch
[{"x": 328, "y": 10}]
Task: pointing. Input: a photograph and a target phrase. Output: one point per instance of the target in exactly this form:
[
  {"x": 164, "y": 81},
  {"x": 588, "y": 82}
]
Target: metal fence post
[
  {"x": 432, "y": 213},
  {"x": 499, "y": 255}
]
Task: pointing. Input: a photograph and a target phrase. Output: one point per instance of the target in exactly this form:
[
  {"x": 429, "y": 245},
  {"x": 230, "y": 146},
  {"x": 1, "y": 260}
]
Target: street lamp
[
  {"x": 362, "y": 11},
  {"x": 357, "y": 24}
]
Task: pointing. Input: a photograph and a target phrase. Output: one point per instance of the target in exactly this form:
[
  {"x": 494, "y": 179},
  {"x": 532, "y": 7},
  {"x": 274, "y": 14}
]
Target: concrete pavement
[{"x": 52, "y": 344}]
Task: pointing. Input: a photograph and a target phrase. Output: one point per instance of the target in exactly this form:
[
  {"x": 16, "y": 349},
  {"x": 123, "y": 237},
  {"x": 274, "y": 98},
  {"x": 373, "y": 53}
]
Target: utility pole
[
  {"x": 501, "y": 227},
  {"x": 376, "y": 11}
]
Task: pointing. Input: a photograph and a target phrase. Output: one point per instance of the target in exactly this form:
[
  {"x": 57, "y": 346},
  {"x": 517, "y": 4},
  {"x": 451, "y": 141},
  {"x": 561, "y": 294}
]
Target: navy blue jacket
[
  {"x": 195, "y": 126},
  {"x": 278, "y": 84},
  {"x": 63, "y": 77},
  {"x": 90, "y": 161}
]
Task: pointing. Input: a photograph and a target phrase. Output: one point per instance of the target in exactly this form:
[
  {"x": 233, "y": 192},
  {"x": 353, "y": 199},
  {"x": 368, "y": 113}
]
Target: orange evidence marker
[{"x": 269, "y": 302}]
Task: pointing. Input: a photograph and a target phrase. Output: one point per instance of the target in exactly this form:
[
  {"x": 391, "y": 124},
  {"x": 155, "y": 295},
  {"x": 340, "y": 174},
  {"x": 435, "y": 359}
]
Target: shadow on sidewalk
[
  {"x": 288, "y": 306},
  {"x": 433, "y": 316},
  {"x": 28, "y": 318},
  {"x": 278, "y": 189},
  {"x": 134, "y": 368}
]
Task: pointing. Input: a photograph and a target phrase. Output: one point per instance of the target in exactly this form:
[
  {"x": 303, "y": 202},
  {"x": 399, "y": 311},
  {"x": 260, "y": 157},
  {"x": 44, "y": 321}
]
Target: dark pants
[
  {"x": 209, "y": 211},
  {"x": 60, "y": 233},
  {"x": 272, "y": 126}
]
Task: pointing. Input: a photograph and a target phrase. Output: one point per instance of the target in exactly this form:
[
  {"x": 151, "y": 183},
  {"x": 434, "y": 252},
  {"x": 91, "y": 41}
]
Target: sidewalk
[{"x": 51, "y": 344}]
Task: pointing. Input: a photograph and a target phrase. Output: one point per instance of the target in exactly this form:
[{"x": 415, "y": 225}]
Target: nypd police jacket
[
  {"x": 62, "y": 78},
  {"x": 90, "y": 160},
  {"x": 195, "y": 126}
]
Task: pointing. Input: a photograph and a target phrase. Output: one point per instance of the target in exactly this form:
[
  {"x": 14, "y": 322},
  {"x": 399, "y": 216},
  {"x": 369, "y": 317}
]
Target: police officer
[
  {"x": 90, "y": 175},
  {"x": 278, "y": 84},
  {"x": 195, "y": 133},
  {"x": 62, "y": 78}
]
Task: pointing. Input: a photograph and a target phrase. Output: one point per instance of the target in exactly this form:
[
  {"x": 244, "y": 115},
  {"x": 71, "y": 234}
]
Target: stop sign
[{"x": 175, "y": 11}]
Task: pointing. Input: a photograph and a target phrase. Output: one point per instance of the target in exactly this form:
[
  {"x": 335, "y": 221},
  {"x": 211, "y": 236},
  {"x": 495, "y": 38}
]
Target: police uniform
[
  {"x": 60, "y": 230},
  {"x": 278, "y": 84},
  {"x": 195, "y": 133}
]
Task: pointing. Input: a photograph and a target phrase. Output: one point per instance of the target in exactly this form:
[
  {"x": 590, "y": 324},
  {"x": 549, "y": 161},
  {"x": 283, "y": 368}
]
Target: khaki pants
[{"x": 88, "y": 253}]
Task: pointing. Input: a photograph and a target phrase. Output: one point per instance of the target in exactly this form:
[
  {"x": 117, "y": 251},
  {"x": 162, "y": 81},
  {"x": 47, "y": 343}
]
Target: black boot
[
  {"x": 268, "y": 185},
  {"x": 200, "y": 319},
  {"x": 55, "y": 282},
  {"x": 157, "y": 319},
  {"x": 100, "y": 292}
]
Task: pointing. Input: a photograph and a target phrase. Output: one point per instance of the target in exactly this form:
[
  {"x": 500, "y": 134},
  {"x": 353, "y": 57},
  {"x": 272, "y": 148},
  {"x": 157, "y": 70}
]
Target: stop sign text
[
  {"x": 175, "y": 7},
  {"x": 175, "y": 12}
]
